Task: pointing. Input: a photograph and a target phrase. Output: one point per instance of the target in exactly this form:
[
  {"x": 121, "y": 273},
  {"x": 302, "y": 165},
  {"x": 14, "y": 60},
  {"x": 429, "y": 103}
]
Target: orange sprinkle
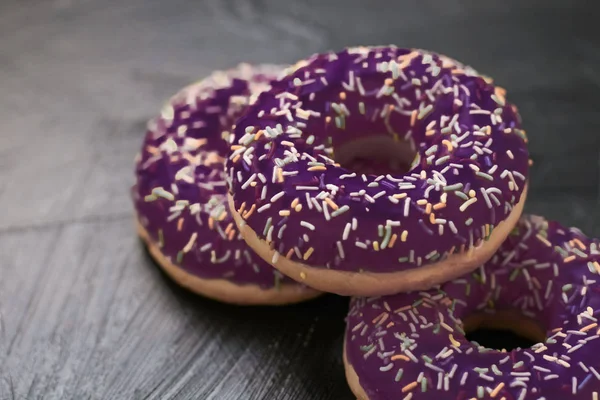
[
  {"x": 229, "y": 228},
  {"x": 497, "y": 390},
  {"x": 253, "y": 184},
  {"x": 242, "y": 208},
  {"x": 383, "y": 316},
  {"x": 303, "y": 275},
  {"x": 250, "y": 211},
  {"x": 569, "y": 259},
  {"x": 399, "y": 195},
  {"x": 530, "y": 162},
  {"x": 422, "y": 202},
  {"x": 258, "y": 134},
  {"x": 317, "y": 168},
  {"x": 298, "y": 208},
  {"x": 399, "y": 357},
  {"x": 439, "y": 206},
  {"x": 343, "y": 95},
  {"x": 404, "y": 236},
  {"x": 458, "y": 71},
  {"x": 390, "y": 324},
  {"x": 180, "y": 224},
  {"x": 231, "y": 235},
  {"x": 327, "y": 119},
  {"x": 409, "y": 387},
  {"x": 556, "y": 330},
  {"x": 289, "y": 253},
  {"x": 308, "y": 253},
  {"x": 331, "y": 203},
  {"x": 432, "y": 218},
  {"x": 376, "y": 246},
  {"x": 393, "y": 240},
  {"x": 430, "y": 132},
  {"x": 222, "y": 216},
  {"x": 236, "y": 159},
  {"x": 596, "y": 266},
  {"x": 279, "y": 175},
  {"x": 405, "y": 308},
  {"x": 295, "y": 202},
  {"x": 428, "y": 208},
  {"x": 588, "y": 327},
  {"x": 579, "y": 244},
  {"x": 235, "y": 147},
  {"x": 413, "y": 118},
  {"x": 448, "y": 144},
  {"x": 389, "y": 81},
  {"x": 284, "y": 213}
]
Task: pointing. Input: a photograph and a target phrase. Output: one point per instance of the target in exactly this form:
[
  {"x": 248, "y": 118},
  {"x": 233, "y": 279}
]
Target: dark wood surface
[{"x": 84, "y": 314}]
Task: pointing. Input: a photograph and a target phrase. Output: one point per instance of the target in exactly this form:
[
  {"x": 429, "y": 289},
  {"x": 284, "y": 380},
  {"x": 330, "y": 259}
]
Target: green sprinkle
[
  {"x": 436, "y": 328},
  {"x": 561, "y": 251},
  {"x": 179, "y": 257},
  {"x": 496, "y": 370},
  {"x": 433, "y": 253},
  {"x": 590, "y": 266},
  {"x": 398, "y": 375},
  {"x": 468, "y": 289},
  {"x": 480, "y": 370},
  {"x": 403, "y": 259},
  {"x": 469, "y": 222},
  {"x": 579, "y": 252},
  {"x": 367, "y": 348},
  {"x": 567, "y": 287},
  {"x": 380, "y": 230},
  {"x": 417, "y": 303},
  {"x": 267, "y": 226},
  {"x": 425, "y": 111},
  {"x": 424, "y": 385},
  {"x": 426, "y": 358},
  {"x": 484, "y": 175},
  {"x": 361, "y": 107},
  {"x": 456, "y": 186},
  {"x": 149, "y": 198},
  {"x": 277, "y": 282},
  {"x": 518, "y": 365},
  {"x": 311, "y": 139},
  {"x": 442, "y": 160},
  {"x": 480, "y": 392},
  {"x": 514, "y": 274},
  {"x": 340, "y": 210},
  {"x": 340, "y": 122},
  {"x": 461, "y": 195},
  {"x": 387, "y": 237},
  {"x": 473, "y": 157}
]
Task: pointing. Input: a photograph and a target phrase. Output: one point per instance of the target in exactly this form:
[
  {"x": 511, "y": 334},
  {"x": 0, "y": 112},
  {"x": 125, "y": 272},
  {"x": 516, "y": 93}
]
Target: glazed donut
[
  {"x": 461, "y": 192},
  {"x": 542, "y": 283},
  {"x": 180, "y": 194}
]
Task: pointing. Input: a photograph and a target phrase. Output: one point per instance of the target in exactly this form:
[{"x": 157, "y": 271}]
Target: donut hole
[
  {"x": 376, "y": 154},
  {"x": 503, "y": 330}
]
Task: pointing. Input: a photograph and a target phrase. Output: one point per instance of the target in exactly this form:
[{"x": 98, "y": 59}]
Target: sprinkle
[{"x": 307, "y": 225}]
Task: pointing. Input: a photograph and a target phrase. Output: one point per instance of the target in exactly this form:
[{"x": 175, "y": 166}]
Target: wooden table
[{"x": 84, "y": 314}]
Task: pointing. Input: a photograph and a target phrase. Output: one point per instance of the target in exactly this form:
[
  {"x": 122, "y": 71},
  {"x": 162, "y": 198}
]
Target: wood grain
[{"x": 84, "y": 314}]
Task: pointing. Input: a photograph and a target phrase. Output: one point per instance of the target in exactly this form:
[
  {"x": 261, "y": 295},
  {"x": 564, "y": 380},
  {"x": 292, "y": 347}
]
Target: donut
[
  {"x": 180, "y": 194},
  {"x": 542, "y": 284},
  {"x": 459, "y": 185}
]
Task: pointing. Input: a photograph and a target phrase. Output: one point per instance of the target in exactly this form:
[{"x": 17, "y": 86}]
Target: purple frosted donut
[
  {"x": 455, "y": 148},
  {"x": 180, "y": 193},
  {"x": 542, "y": 283}
]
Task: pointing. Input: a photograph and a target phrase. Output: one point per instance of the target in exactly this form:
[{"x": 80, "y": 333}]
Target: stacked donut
[{"x": 396, "y": 176}]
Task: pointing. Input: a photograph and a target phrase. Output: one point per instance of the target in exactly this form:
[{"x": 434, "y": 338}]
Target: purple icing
[
  {"x": 546, "y": 271},
  {"x": 180, "y": 192},
  {"x": 292, "y": 193}
]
